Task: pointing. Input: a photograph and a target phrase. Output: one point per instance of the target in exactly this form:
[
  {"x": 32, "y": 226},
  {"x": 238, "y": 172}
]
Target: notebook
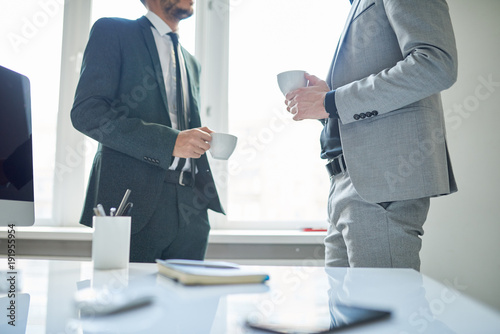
[{"x": 193, "y": 272}]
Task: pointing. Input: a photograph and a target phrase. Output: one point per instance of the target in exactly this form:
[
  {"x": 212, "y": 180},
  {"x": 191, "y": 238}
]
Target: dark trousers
[{"x": 177, "y": 230}]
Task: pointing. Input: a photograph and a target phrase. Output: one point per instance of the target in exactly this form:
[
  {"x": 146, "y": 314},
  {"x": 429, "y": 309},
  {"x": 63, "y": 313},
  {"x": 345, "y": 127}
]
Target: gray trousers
[{"x": 363, "y": 234}]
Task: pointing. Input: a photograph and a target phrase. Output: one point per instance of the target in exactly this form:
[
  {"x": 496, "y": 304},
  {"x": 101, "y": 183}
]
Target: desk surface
[{"x": 418, "y": 303}]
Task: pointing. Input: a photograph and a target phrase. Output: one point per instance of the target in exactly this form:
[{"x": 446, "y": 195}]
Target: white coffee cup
[
  {"x": 291, "y": 80},
  {"x": 111, "y": 242},
  {"x": 222, "y": 145}
]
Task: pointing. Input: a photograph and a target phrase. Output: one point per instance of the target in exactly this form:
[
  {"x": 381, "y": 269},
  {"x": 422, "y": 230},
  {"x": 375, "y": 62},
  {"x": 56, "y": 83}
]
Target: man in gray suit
[
  {"x": 138, "y": 96},
  {"x": 384, "y": 132}
]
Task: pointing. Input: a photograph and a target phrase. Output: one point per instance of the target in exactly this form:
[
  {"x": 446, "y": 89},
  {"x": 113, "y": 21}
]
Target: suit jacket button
[
  {"x": 374, "y": 113},
  {"x": 368, "y": 114},
  {"x": 356, "y": 117},
  {"x": 362, "y": 115}
]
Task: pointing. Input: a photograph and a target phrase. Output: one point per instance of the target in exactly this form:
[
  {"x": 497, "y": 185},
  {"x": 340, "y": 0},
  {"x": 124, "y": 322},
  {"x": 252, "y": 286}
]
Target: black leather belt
[
  {"x": 179, "y": 177},
  {"x": 336, "y": 166}
]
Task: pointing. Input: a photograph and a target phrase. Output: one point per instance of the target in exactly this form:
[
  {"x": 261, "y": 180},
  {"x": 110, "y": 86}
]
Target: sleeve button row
[
  {"x": 154, "y": 161},
  {"x": 363, "y": 115}
]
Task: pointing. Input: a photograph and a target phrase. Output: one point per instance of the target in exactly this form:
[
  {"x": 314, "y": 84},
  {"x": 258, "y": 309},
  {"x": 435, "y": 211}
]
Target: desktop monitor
[{"x": 16, "y": 158}]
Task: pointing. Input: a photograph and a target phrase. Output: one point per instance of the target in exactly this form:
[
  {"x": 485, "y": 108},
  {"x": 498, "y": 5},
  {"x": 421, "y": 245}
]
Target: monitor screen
[{"x": 16, "y": 158}]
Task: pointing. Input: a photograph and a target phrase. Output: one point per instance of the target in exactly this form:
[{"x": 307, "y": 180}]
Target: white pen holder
[{"x": 111, "y": 242}]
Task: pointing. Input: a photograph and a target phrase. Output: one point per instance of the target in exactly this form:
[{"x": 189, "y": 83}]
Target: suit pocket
[{"x": 362, "y": 11}]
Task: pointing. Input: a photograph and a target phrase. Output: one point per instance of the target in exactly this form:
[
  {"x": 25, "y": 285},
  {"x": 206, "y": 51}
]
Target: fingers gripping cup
[
  {"x": 291, "y": 80},
  {"x": 222, "y": 145}
]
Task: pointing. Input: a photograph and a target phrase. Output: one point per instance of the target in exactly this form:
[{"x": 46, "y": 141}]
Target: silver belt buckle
[{"x": 181, "y": 178}]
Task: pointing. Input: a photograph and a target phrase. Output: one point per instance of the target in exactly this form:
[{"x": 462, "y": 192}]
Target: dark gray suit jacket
[{"x": 121, "y": 102}]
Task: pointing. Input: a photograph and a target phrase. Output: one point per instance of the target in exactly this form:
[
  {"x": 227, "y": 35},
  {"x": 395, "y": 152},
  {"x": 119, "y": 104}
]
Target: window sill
[
  {"x": 216, "y": 236},
  {"x": 265, "y": 237}
]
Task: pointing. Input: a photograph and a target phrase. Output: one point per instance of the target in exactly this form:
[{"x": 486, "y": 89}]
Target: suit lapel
[
  {"x": 194, "y": 119},
  {"x": 354, "y": 7},
  {"x": 155, "y": 59}
]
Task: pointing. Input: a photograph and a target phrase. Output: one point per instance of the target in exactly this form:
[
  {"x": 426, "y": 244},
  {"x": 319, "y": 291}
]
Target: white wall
[{"x": 462, "y": 234}]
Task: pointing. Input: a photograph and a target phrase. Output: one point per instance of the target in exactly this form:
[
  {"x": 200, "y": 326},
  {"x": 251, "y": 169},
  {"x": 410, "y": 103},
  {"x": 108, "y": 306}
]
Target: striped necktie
[
  {"x": 181, "y": 118},
  {"x": 181, "y": 110}
]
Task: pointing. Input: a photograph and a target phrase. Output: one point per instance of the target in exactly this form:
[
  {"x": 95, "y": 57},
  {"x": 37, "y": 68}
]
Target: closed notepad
[{"x": 192, "y": 272}]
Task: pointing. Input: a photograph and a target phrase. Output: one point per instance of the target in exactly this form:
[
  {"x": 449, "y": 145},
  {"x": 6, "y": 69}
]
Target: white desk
[{"x": 419, "y": 304}]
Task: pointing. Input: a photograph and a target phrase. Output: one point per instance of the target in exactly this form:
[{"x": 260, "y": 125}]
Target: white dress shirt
[{"x": 167, "y": 61}]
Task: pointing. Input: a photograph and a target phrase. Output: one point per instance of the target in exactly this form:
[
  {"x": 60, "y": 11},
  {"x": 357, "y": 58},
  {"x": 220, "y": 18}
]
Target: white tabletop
[{"x": 45, "y": 300}]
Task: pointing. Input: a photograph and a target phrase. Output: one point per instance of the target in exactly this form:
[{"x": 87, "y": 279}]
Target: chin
[{"x": 184, "y": 13}]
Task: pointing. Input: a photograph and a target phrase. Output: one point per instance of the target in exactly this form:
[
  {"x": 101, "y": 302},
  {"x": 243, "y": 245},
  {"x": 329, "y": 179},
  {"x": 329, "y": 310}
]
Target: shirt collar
[{"x": 158, "y": 23}]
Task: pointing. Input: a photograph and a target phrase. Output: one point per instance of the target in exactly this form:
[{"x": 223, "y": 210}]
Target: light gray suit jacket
[{"x": 393, "y": 59}]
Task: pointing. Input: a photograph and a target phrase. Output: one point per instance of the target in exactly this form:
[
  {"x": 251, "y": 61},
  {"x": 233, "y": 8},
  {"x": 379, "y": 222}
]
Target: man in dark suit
[{"x": 135, "y": 78}]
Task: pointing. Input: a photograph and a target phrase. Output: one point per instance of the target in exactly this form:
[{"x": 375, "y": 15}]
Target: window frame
[{"x": 211, "y": 49}]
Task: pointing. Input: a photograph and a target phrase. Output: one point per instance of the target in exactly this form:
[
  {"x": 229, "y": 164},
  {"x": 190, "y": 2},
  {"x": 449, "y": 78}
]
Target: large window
[
  {"x": 30, "y": 40},
  {"x": 275, "y": 179}
]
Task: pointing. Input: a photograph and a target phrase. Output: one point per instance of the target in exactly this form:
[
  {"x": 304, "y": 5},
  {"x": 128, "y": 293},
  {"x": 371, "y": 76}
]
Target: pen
[
  {"x": 203, "y": 264},
  {"x": 128, "y": 209},
  {"x": 112, "y": 212},
  {"x": 100, "y": 208},
  {"x": 96, "y": 212},
  {"x": 216, "y": 266},
  {"x": 119, "y": 212}
]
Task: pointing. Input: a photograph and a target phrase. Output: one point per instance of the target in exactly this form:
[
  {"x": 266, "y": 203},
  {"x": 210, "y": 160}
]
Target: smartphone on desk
[{"x": 340, "y": 317}]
